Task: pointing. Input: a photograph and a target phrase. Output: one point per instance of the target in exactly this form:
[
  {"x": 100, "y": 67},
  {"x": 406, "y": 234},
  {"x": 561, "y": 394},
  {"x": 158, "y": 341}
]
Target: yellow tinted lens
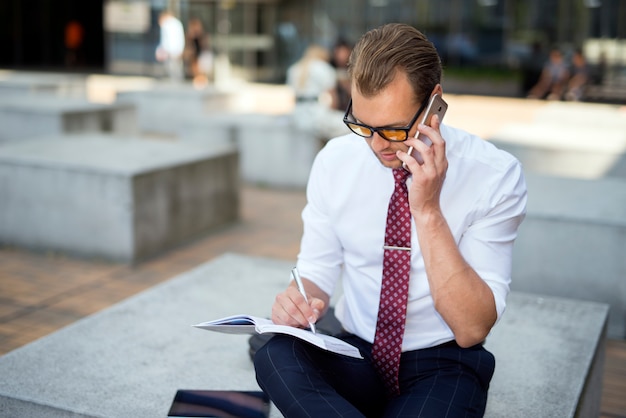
[
  {"x": 360, "y": 130},
  {"x": 393, "y": 134}
]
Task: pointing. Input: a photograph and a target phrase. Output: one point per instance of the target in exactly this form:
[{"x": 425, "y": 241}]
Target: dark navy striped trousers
[{"x": 305, "y": 381}]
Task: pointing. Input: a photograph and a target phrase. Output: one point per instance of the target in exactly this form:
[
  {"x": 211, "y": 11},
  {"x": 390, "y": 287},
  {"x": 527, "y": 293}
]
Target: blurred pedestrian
[
  {"x": 339, "y": 60},
  {"x": 313, "y": 81},
  {"x": 198, "y": 53},
  {"x": 553, "y": 80},
  {"x": 171, "y": 45},
  {"x": 580, "y": 76}
]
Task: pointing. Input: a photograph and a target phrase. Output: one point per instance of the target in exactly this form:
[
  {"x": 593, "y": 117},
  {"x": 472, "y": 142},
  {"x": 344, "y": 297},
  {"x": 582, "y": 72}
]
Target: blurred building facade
[{"x": 261, "y": 38}]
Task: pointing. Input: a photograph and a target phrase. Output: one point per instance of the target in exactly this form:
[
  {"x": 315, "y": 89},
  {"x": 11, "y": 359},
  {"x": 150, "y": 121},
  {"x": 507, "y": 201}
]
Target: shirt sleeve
[
  {"x": 321, "y": 254},
  {"x": 487, "y": 244}
]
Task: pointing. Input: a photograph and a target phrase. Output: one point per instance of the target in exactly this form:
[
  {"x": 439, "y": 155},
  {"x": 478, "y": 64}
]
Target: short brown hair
[{"x": 381, "y": 52}]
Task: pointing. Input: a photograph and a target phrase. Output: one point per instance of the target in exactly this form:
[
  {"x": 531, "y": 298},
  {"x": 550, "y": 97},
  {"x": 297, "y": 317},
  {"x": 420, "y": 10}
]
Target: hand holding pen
[{"x": 298, "y": 280}]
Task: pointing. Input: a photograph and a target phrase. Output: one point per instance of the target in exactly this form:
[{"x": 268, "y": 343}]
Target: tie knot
[{"x": 400, "y": 174}]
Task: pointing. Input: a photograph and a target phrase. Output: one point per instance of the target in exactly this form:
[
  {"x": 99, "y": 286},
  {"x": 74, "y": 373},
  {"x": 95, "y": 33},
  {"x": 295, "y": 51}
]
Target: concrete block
[
  {"x": 215, "y": 128},
  {"x": 30, "y": 116},
  {"x": 273, "y": 151},
  {"x": 573, "y": 243},
  {"x": 57, "y": 84},
  {"x": 600, "y": 116},
  {"x": 549, "y": 358},
  {"x": 565, "y": 150},
  {"x": 163, "y": 108},
  {"x": 130, "y": 359},
  {"x": 117, "y": 198},
  {"x": 578, "y": 140}
]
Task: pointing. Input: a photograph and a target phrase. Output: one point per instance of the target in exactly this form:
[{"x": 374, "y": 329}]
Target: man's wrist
[{"x": 428, "y": 219}]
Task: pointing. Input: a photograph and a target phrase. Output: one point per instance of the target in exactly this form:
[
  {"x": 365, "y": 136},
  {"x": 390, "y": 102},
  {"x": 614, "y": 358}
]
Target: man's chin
[{"x": 396, "y": 163}]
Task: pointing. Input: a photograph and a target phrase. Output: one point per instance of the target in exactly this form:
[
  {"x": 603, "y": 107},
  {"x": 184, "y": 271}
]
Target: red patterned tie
[{"x": 395, "y": 286}]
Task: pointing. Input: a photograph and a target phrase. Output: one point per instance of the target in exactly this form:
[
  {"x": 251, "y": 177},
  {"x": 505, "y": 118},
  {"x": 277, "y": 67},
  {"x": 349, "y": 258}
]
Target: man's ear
[{"x": 438, "y": 90}]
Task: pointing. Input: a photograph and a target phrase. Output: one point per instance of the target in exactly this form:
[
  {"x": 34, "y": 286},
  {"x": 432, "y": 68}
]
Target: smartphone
[
  {"x": 436, "y": 106},
  {"x": 220, "y": 403}
]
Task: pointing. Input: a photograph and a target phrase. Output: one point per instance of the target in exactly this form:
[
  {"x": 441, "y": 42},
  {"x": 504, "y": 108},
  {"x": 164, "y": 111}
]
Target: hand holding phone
[{"x": 436, "y": 106}]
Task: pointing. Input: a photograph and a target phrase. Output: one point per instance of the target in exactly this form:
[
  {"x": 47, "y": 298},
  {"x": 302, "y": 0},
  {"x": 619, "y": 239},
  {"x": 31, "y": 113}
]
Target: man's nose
[{"x": 378, "y": 142}]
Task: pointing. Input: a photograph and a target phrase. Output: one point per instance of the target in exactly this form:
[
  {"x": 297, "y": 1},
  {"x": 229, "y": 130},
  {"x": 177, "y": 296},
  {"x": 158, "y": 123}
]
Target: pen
[{"x": 296, "y": 277}]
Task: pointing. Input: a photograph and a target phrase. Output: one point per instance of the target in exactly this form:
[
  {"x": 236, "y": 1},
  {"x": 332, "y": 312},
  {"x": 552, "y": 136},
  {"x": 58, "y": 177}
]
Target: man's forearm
[{"x": 460, "y": 296}]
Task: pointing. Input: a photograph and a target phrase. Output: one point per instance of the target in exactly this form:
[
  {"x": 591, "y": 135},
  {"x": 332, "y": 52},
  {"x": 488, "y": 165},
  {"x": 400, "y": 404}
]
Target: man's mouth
[{"x": 388, "y": 156}]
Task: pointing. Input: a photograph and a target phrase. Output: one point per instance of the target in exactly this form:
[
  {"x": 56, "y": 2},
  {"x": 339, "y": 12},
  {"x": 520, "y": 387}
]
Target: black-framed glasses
[{"x": 390, "y": 133}]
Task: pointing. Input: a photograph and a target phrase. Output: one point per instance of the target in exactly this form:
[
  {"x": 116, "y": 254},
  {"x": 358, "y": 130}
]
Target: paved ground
[{"x": 40, "y": 293}]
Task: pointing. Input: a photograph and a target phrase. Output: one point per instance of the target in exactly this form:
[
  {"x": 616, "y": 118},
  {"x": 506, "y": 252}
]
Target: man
[
  {"x": 466, "y": 202},
  {"x": 171, "y": 46}
]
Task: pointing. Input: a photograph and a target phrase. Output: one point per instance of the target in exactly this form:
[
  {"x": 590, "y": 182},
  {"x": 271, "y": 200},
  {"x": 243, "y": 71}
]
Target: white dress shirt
[
  {"x": 483, "y": 200},
  {"x": 172, "y": 37}
]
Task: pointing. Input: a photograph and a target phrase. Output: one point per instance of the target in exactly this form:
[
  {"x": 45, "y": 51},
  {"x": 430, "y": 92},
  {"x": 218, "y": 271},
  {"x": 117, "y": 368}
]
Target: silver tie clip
[{"x": 392, "y": 247}]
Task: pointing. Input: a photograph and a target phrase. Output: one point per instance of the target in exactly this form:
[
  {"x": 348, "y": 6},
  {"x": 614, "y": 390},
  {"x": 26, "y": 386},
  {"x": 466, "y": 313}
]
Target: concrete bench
[
  {"x": 579, "y": 140},
  {"x": 562, "y": 150},
  {"x": 583, "y": 114},
  {"x": 130, "y": 359},
  {"x": 57, "y": 84},
  {"x": 28, "y": 116},
  {"x": 573, "y": 243},
  {"x": 272, "y": 151},
  {"x": 164, "y": 107},
  {"x": 117, "y": 198}
]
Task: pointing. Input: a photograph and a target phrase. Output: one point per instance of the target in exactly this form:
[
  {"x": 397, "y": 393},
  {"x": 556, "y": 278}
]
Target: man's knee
[
  {"x": 272, "y": 356},
  {"x": 261, "y": 358}
]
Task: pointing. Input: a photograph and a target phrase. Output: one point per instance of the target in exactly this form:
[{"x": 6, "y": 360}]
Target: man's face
[{"x": 395, "y": 106}]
